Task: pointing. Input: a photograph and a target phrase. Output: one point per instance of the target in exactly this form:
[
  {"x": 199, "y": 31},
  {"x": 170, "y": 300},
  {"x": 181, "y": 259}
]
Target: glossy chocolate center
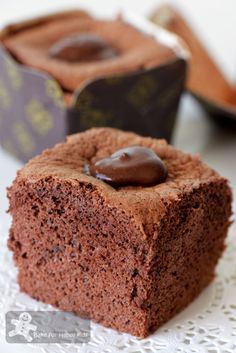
[
  {"x": 82, "y": 47},
  {"x": 131, "y": 166}
]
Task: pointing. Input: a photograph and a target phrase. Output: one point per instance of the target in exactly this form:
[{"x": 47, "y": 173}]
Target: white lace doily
[{"x": 207, "y": 326}]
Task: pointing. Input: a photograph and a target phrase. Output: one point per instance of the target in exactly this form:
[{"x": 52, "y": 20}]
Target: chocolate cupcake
[
  {"x": 68, "y": 72},
  {"x": 76, "y": 48}
]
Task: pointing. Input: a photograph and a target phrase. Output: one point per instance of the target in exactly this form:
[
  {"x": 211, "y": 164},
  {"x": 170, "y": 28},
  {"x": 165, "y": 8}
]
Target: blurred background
[{"x": 212, "y": 20}]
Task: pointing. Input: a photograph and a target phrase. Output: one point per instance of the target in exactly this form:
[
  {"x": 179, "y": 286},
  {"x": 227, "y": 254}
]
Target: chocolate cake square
[{"x": 129, "y": 256}]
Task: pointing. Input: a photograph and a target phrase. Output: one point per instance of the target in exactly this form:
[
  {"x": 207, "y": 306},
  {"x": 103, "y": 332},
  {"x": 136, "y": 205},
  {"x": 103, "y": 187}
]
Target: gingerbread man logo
[{"x": 23, "y": 326}]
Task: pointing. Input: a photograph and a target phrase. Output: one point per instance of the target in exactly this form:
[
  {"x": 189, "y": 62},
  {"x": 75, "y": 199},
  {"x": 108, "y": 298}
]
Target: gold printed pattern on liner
[
  {"x": 141, "y": 92},
  {"x": 54, "y": 92},
  {"x": 115, "y": 80},
  {"x": 169, "y": 94},
  {"x": 90, "y": 116},
  {"x": 5, "y": 98},
  {"x": 94, "y": 117},
  {"x": 13, "y": 74},
  {"x": 170, "y": 118},
  {"x": 85, "y": 101},
  {"x": 23, "y": 137},
  {"x": 40, "y": 119}
]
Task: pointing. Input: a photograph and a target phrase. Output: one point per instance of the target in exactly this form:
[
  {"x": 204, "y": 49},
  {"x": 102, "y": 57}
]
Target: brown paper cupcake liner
[{"x": 205, "y": 81}]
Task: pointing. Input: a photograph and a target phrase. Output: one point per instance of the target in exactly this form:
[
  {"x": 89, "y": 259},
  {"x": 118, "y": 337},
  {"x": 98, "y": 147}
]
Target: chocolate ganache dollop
[
  {"x": 134, "y": 165},
  {"x": 82, "y": 47}
]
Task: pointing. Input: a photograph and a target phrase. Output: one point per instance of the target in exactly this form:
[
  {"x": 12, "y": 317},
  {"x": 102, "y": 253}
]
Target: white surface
[{"x": 212, "y": 316}]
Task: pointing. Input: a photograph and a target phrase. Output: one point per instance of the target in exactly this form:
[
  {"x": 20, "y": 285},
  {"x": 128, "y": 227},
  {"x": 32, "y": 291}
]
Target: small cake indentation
[{"x": 82, "y": 47}]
